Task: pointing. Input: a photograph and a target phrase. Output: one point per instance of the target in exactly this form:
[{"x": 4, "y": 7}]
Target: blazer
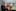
[{"x": 3, "y": 9}]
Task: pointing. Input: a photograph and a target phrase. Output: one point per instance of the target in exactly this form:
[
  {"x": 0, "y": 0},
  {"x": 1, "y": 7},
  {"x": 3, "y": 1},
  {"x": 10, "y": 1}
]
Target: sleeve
[{"x": 2, "y": 8}]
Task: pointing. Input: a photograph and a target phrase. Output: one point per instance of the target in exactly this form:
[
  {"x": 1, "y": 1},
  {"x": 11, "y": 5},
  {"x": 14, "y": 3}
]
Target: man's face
[{"x": 8, "y": 6}]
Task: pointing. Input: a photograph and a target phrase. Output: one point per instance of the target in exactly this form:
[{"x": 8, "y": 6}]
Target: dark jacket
[{"x": 3, "y": 8}]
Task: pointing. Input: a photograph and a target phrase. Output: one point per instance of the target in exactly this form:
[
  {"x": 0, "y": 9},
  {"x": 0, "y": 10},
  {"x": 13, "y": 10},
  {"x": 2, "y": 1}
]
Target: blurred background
[{"x": 11, "y": 1}]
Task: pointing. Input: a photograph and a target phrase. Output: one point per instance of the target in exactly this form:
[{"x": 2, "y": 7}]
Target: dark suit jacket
[{"x": 3, "y": 8}]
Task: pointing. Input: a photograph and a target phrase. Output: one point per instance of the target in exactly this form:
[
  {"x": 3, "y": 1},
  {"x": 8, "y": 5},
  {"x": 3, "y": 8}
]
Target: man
[{"x": 6, "y": 7}]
